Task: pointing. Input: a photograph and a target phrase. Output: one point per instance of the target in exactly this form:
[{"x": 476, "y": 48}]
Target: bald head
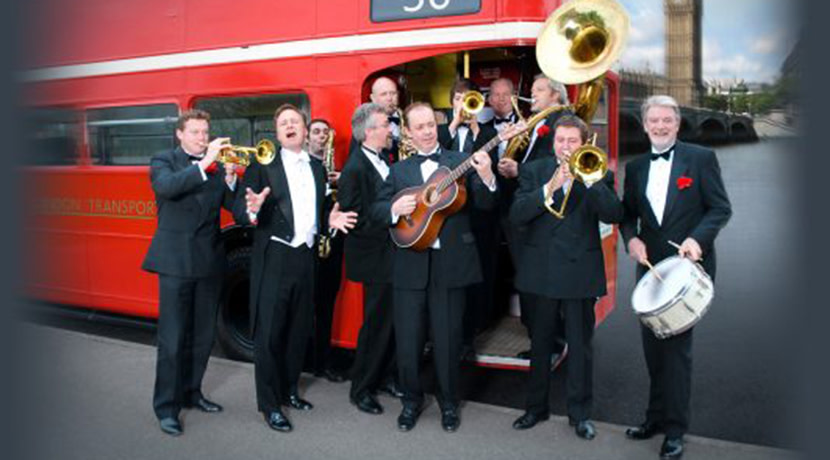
[{"x": 385, "y": 94}]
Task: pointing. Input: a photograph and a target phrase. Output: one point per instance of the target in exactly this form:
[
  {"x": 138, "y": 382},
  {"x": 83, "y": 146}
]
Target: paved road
[
  {"x": 102, "y": 411},
  {"x": 742, "y": 365}
]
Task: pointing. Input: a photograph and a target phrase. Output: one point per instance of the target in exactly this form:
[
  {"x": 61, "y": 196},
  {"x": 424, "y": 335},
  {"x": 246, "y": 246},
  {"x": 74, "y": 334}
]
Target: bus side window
[
  {"x": 130, "y": 135},
  {"x": 54, "y": 137},
  {"x": 248, "y": 119}
]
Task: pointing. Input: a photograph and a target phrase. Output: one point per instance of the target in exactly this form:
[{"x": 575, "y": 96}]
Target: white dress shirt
[
  {"x": 657, "y": 188},
  {"x": 462, "y": 132},
  {"x": 500, "y": 126},
  {"x": 303, "y": 192},
  {"x": 380, "y": 166}
]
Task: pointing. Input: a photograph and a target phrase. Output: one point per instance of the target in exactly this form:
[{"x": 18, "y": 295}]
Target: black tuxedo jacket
[
  {"x": 187, "y": 241},
  {"x": 368, "y": 246},
  {"x": 410, "y": 267},
  {"x": 484, "y": 135},
  {"x": 562, "y": 258},
  {"x": 699, "y": 211},
  {"x": 276, "y": 217}
]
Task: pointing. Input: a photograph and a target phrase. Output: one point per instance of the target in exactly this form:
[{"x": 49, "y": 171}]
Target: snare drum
[{"x": 677, "y": 303}]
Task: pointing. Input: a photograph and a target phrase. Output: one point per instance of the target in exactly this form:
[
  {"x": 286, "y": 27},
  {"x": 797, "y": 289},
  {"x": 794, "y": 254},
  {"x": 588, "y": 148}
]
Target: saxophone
[
  {"x": 324, "y": 243},
  {"x": 405, "y": 147},
  {"x": 521, "y": 141}
]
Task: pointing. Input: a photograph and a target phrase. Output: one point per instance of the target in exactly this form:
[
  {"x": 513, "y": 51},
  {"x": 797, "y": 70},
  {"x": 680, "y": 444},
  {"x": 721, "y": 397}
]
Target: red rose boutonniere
[
  {"x": 684, "y": 182},
  {"x": 543, "y": 131},
  {"x": 211, "y": 168}
]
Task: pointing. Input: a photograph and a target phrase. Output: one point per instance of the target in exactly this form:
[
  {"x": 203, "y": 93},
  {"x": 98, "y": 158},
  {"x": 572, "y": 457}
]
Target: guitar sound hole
[{"x": 430, "y": 196}]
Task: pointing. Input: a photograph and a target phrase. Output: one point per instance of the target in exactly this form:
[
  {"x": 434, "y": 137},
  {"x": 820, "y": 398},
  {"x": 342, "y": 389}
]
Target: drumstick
[
  {"x": 677, "y": 246},
  {"x": 651, "y": 268}
]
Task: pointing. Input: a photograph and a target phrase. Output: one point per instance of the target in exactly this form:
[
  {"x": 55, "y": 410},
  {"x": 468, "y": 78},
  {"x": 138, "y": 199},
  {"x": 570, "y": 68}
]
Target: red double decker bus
[{"x": 106, "y": 92}]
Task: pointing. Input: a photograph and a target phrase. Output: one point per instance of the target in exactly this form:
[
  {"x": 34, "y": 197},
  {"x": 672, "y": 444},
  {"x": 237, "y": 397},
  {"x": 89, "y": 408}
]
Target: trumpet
[
  {"x": 264, "y": 153},
  {"x": 472, "y": 103}
]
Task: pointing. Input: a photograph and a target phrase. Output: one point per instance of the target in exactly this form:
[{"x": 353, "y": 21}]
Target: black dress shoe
[
  {"x": 529, "y": 420},
  {"x": 585, "y": 430},
  {"x": 391, "y": 389},
  {"x": 299, "y": 403},
  {"x": 277, "y": 421},
  {"x": 205, "y": 405},
  {"x": 171, "y": 426},
  {"x": 450, "y": 420},
  {"x": 367, "y": 403},
  {"x": 644, "y": 431},
  {"x": 672, "y": 448},
  {"x": 408, "y": 418}
]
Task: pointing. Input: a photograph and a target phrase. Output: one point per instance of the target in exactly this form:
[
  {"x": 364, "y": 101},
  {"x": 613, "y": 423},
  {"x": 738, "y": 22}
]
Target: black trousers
[
  {"x": 669, "y": 364},
  {"x": 328, "y": 284},
  {"x": 445, "y": 309},
  {"x": 186, "y": 325},
  {"x": 375, "y": 356},
  {"x": 283, "y": 325},
  {"x": 579, "y": 330}
]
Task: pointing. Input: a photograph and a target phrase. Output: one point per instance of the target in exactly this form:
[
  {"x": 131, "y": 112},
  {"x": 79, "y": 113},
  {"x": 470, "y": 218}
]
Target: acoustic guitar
[{"x": 441, "y": 196}]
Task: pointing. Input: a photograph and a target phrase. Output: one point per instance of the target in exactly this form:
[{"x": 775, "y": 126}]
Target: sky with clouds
[{"x": 742, "y": 39}]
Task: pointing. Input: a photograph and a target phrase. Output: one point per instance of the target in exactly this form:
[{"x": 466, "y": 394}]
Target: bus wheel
[{"x": 233, "y": 324}]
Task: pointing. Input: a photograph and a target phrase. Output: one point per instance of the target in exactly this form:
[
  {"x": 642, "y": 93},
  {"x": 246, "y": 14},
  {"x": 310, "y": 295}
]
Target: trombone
[
  {"x": 588, "y": 164},
  {"x": 264, "y": 153}
]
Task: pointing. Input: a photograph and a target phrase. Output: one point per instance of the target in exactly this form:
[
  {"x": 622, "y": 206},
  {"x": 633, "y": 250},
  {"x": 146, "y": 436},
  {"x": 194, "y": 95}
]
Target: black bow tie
[
  {"x": 499, "y": 121},
  {"x": 665, "y": 155},
  {"x": 394, "y": 119},
  {"x": 422, "y": 158}
]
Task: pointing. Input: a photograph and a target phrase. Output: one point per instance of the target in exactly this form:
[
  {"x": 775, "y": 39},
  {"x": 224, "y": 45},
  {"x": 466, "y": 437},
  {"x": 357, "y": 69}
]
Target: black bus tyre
[{"x": 233, "y": 325}]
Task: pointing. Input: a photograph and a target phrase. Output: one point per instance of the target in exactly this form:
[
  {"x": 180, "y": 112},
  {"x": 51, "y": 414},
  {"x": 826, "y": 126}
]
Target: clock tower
[{"x": 683, "y": 50}]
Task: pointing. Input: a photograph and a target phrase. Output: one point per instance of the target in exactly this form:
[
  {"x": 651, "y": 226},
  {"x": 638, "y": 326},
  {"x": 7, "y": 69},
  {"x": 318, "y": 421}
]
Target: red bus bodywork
[{"x": 95, "y": 222}]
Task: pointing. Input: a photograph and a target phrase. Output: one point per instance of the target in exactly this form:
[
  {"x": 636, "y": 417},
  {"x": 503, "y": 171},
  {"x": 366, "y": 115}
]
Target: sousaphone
[{"x": 578, "y": 43}]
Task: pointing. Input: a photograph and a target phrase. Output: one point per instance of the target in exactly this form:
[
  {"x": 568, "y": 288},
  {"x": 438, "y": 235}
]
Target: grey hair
[
  {"x": 660, "y": 100},
  {"x": 362, "y": 119},
  {"x": 556, "y": 87}
]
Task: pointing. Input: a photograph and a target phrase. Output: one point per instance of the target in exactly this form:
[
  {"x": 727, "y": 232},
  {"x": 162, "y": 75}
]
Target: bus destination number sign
[{"x": 399, "y": 10}]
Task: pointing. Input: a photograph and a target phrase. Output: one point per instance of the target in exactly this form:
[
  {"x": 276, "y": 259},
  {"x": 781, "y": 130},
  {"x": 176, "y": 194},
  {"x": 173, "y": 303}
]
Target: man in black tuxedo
[
  {"x": 675, "y": 193},
  {"x": 189, "y": 257},
  {"x": 330, "y": 267},
  {"x": 546, "y": 93},
  {"x": 432, "y": 282},
  {"x": 369, "y": 256},
  {"x": 464, "y": 134},
  {"x": 284, "y": 200},
  {"x": 563, "y": 266}
]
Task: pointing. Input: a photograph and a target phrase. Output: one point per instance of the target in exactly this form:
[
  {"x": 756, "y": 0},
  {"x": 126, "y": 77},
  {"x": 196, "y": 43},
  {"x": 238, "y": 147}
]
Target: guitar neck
[{"x": 461, "y": 169}]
